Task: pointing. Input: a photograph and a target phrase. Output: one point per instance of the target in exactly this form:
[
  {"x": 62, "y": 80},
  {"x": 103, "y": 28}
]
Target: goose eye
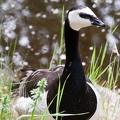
[
  {"x": 82, "y": 15},
  {"x": 86, "y": 16}
]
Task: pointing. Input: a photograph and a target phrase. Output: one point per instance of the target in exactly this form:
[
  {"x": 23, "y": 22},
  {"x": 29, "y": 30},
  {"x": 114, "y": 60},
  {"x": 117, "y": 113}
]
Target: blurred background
[{"x": 30, "y": 31}]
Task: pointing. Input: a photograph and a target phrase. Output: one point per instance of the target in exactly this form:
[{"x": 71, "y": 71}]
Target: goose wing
[{"x": 30, "y": 81}]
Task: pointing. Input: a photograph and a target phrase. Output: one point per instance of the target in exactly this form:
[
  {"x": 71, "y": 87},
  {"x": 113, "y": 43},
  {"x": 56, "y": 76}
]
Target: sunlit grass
[{"x": 96, "y": 71}]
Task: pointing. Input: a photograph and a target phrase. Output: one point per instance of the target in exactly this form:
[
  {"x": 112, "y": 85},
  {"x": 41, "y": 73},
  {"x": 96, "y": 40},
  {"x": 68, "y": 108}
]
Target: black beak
[{"x": 97, "y": 21}]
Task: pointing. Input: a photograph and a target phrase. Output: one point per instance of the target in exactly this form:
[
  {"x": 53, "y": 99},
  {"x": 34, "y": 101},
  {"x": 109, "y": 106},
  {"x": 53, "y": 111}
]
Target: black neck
[
  {"x": 73, "y": 65},
  {"x": 75, "y": 98}
]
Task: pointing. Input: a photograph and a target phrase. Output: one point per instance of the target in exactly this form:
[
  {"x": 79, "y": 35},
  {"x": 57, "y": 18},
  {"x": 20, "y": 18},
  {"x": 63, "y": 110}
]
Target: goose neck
[
  {"x": 71, "y": 44},
  {"x": 73, "y": 65}
]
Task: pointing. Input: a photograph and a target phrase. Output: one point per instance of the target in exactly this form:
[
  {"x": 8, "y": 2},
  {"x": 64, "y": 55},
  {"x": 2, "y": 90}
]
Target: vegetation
[{"x": 95, "y": 72}]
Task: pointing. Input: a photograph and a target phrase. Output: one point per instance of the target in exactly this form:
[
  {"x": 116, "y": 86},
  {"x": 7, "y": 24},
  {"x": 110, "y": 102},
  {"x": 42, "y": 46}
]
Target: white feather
[
  {"x": 23, "y": 106},
  {"x": 99, "y": 105}
]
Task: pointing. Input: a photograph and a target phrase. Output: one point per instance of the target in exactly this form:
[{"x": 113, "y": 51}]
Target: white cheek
[
  {"x": 76, "y": 22},
  {"x": 84, "y": 22}
]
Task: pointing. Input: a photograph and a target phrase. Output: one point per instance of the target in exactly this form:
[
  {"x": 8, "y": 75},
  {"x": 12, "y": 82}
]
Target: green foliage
[
  {"x": 62, "y": 34},
  {"x": 5, "y": 107},
  {"x": 36, "y": 95},
  {"x": 59, "y": 96},
  {"x": 98, "y": 69},
  {"x": 95, "y": 72},
  {"x": 61, "y": 48}
]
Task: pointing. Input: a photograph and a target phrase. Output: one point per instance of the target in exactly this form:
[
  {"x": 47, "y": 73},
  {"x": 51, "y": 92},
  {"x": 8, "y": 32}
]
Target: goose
[{"x": 79, "y": 95}]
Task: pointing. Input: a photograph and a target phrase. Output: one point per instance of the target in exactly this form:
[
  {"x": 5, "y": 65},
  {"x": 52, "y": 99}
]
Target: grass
[
  {"x": 95, "y": 72},
  {"x": 61, "y": 47},
  {"x": 112, "y": 71},
  {"x": 110, "y": 98}
]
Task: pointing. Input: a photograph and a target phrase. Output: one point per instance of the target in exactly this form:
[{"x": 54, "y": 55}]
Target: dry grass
[{"x": 110, "y": 104}]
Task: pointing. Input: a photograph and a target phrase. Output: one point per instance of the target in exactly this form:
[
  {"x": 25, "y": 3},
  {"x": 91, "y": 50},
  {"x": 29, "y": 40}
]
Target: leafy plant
[
  {"x": 36, "y": 95},
  {"x": 5, "y": 107}
]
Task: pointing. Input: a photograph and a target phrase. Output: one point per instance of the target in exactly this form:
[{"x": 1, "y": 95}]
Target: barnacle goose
[{"x": 79, "y": 95}]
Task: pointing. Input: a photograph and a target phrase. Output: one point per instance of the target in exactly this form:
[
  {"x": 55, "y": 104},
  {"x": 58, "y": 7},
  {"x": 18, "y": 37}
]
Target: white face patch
[
  {"x": 87, "y": 11},
  {"x": 76, "y": 22}
]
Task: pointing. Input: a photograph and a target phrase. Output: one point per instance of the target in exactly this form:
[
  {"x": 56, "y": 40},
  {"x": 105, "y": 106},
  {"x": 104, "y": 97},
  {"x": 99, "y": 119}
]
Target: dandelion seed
[
  {"x": 30, "y": 27},
  {"x": 29, "y": 47},
  {"x": 12, "y": 5},
  {"x": 2, "y": 59},
  {"x": 44, "y": 60},
  {"x": 83, "y": 63},
  {"x": 25, "y": 63},
  {"x": 63, "y": 57},
  {"x": 103, "y": 30},
  {"x": 94, "y": 6},
  {"x": 6, "y": 31},
  {"x": 54, "y": 36},
  {"x": 33, "y": 32},
  {"x": 83, "y": 35},
  {"x": 24, "y": 41},
  {"x": 55, "y": 11},
  {"x": 91, "y": 48},
  {"x": 26, "y": 12},
  {"x": 1, "y": 49},
  {"x": 45, "y": 49},
  {"x": 47, "y": 36},
  {"x": 44, "y": 16},
  {"x": 7, "y": 48},
  {"x": 2, "y": 74},
  {"x": 118, "y": 91},
  {"x": 38, "y": 15},
  {"x": 37, "y": 53},
  {"x": 115, "y": 50}
]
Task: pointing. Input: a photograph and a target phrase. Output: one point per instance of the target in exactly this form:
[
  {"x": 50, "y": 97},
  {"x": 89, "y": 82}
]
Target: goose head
[{"x": 82, "y": 16}]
